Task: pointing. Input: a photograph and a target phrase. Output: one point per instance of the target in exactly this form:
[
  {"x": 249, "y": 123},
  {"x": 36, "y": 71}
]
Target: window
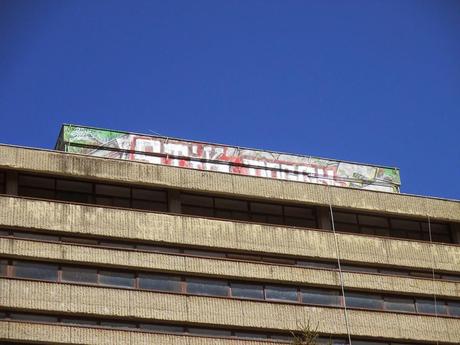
[
  {"x": 161, "y": 328},
  {"x": 315, "y": 264},
  {"x": 79, "y": 321},
  {"x": 212, "y": 332},
  {"x": 281, "y": 293},
  {"x": 207, "y": 287},
  {"x": 320, "y": 297},
  {"x": 24, "y": 269},
  {"x": 427, "y": 306},
  {"x": 35, "y": 236},
  {"x": 33, "y": 317},
  {"x": 247, "y": 291},
  {"x": 159, "y": 282},
  {"x": 116, "y": 278},
  {"x": 356, "y": 300},
  {"x": 454, "y": 308},
  {"x": 116, "y": 324},
  {"x": 81, "y": 275},
  {"x": 250, "y": 335},
  {"x": 2, "y": 182},
  {"x": 3, "y": 267},
  {"x": 399, "y": 304}
]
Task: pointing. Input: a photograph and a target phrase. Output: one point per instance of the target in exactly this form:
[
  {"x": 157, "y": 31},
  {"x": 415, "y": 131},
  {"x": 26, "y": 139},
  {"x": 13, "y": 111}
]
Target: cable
[
  {"x": 337, "y": 249},
  {"x": 433, "y": 261}
]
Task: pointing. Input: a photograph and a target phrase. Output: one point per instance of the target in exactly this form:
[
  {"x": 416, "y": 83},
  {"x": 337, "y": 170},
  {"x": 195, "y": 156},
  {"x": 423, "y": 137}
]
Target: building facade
[{"x": 97, "y": 250}]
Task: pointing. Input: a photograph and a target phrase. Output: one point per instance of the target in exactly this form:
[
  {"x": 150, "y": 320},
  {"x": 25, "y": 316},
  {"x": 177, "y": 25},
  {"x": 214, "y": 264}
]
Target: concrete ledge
[
  {"x": 65, "y": 164},
  {"x": 63, "y": 334},
  {"x": 95, "y": 301},
  {"x": 193, "y": 231},
  {"x": 219, "y": 268}
]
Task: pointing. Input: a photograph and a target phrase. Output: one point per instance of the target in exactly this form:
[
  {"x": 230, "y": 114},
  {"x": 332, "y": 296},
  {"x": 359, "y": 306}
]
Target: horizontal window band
[
  {"x": 148, "y": 199},
  {"x": 177, "y": 329},
  {"x": 100, "y": 242},
  {"x": 233, "y": 289}
]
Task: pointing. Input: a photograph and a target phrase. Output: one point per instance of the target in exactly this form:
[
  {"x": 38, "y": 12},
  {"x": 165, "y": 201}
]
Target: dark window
[
  {"x": 428, "y": 307},
  {"x": 74, "y": 186},
  {"x": 2, "y": 182},
  {"x": 320, "y": 297},
  {"x": 231, "y": 204},
  {"x": 79, "y": 321},
  {"x": 399, "y": 304},
  {"x": 282, "y": 293},
  {"x": 35, "y": 236},
  {"x": 159, "y": 282},
  {"x": 116, "y": 278},
  {"x": 116, "y": 245},
  {"x": 116, "y": 324},
  {"x": 454, "y": 308},
  {"x": 159, "y": 249},
  {"x": 212, "y": 332},
  {"x": 3, "y": 267},
  {"x": 81, "y": 275},
  {"x": 204, "y": 253},
  {"x": 313, "y": 264},
  {"x": 35, "y": 271},
  {"x": 207, "y": 287},
  {"x": 373, "y": 221},
  {"x": 4, "y": 232},
  {"x": 149, "y": 195},
  {"x": 161, "y": 328},
  {"x": 197, "y": 200},
  {"x": 33, "y": 317},
  {"x": 356, "y": 300},
  {"x": 250, "y": 335},
  {"x": 111, "y": 190},
  {"x": 247, "y": 291}
]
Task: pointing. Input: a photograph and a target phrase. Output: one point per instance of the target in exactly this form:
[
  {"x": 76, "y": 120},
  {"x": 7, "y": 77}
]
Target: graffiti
[{"x": 226, "y": 159}]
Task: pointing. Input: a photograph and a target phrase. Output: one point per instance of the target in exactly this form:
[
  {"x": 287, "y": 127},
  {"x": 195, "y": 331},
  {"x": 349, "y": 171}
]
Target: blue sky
[{"x": 367, "y": 81}]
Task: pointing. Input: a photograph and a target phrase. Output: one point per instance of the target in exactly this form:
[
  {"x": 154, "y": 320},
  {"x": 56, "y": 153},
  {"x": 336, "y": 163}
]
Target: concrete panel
[
  {"x": 95, "y": 301},
  {"x": 65, "y": 164},
  {"x": 195, "y": 231},
  {"x": 62, "y": 334},
  {"x": 221, "y": 268}
]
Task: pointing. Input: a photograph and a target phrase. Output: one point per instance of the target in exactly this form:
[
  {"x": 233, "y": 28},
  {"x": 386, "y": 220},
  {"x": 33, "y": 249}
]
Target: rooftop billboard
[{"x": 225, "y": 159}]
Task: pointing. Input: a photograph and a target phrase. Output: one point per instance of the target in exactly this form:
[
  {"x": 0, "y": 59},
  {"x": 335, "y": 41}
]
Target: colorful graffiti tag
[{"x": 226, "y": 159}]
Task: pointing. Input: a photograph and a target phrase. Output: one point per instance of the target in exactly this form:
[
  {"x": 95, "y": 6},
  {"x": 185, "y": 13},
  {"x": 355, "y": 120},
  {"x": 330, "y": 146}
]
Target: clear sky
[{"x": 367, "y": 81}]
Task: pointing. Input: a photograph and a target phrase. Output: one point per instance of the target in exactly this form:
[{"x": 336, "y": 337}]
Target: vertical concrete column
[
  {"x": 455, "y": 228},
  {"x": 324, "y": 218},
  {"x": 174, "y": 204},
  {"x": 12, "y": 183}
]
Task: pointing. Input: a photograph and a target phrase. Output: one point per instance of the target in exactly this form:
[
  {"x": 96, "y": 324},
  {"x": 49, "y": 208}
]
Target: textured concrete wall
[
  {"x": 62, "y": 334},
  {"x": 82, "y": 300},
  {"x": 214, "y": 182},
  {"x": 177, "y": 229},
  {"x": 217, "y": 268}
]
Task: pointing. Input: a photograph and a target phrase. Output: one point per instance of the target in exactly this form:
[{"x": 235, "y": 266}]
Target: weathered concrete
[
  {"x": 195, "y": 231},
  {"x": 65, "y": 164},
  {"x": 221, "y": 268},
  {"x": 79, "y": 335},
  {"x": 142, "y": 305}
]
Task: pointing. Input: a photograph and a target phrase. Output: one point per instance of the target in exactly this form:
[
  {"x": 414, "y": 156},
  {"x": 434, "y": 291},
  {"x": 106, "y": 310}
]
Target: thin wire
[
  {"x": 433, "y": 261},
  {"x": 345, "y": 310}
]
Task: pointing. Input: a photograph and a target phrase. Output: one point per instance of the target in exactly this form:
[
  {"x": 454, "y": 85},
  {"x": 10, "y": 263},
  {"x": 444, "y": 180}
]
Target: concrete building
[{"x": 110, "y": 243}]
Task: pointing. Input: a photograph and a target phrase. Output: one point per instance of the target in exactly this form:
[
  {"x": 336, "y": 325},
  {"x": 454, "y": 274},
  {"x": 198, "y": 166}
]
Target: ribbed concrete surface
[
  {"x": 205, "y": 181},
  {"x": 95, "y": 301},
  {"x": 61, "y": 334},
  {"x": 215, "y": 268},
  {"x": 178, "y": 229}
]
